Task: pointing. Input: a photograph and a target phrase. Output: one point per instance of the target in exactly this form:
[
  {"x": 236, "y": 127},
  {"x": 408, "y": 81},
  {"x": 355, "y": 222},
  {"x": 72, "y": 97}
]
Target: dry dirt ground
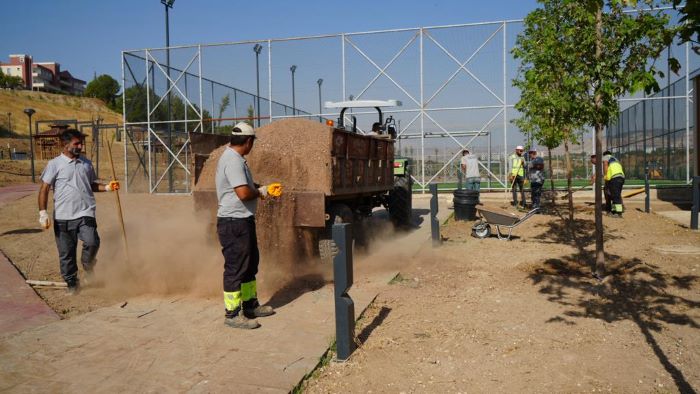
[
  {"x": 470, "y": 316},
  {"x": 526, "y": 316}
]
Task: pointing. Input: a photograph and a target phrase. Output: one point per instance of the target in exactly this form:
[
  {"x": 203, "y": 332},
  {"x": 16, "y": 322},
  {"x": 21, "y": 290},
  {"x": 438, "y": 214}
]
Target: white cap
[
  {"x": 245, "y": 129},
  {"x": 519, "y": 147}
]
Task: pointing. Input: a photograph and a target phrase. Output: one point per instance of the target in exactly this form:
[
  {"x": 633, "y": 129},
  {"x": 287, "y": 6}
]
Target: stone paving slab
[
  {"x": 682, "y": 217},
  {"x": 181, "y": 345},
  {"x": 20, "y": 306}
]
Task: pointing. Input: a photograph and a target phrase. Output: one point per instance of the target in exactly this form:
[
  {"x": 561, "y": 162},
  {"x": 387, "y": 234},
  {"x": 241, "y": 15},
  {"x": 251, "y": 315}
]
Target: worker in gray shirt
[
  {"x": 73, "y": 180},
  {"x": 470, "y": 169},
  {"x": 235, "y": 227}
]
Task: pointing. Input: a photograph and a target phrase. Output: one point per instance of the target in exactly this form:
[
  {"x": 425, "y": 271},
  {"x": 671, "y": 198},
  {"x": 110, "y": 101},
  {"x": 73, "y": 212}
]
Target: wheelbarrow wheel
[{"x": 481, "y": 230}]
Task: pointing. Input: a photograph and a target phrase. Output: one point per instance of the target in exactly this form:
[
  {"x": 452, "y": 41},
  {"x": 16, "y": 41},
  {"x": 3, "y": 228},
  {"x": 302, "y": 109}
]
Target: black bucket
[{"x": 465, "y": 202}]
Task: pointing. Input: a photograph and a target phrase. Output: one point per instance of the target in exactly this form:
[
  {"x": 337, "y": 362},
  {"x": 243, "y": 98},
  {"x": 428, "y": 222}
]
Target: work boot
[
  {"x": 240, "y": 321},
  {"x": 88, "y": 277},
  {"x": 73, "y": 289},
  {"x": 253, "y": 309}
]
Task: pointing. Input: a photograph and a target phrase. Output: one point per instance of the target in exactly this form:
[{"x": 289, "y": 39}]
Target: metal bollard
[
  {"x": 647, "y": 198},
  {"x": 344, "y": 306},
  {"x": 696, "y": 203},
  {"x": 434, "y": 222}
]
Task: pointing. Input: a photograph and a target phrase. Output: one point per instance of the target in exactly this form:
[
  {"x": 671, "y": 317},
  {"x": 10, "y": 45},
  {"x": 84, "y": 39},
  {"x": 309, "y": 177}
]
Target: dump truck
[{"x": 353, "y": 173}]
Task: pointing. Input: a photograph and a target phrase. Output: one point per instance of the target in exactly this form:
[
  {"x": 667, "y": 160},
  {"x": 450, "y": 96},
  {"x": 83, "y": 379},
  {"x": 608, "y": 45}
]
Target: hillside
[{"x": 50, "y": 106}]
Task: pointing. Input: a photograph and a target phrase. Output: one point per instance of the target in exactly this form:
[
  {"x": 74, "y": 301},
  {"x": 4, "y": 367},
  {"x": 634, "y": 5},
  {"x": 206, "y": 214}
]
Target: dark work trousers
[
  {"x": 519, "y": 180},
  {"x": 606, "y": 194},
  {"x": 536, "y": 190},
  {"x": 239, "y": 245},
  {"x": 67, "y": 233},
  {"x": 615, "y": 188}
]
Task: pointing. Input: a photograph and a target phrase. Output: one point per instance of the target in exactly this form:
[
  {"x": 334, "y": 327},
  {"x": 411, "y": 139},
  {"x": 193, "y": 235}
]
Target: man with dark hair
[
  {"x": 73, "y": 180},
  {"x": 376, "y": 129},
  {"x": 237, "y": 195}
]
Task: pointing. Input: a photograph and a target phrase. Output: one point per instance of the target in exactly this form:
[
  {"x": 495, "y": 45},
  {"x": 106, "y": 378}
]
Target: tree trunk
[
  {"x": 569, "y": 174},
  {"x": 598, "y": 102},
  {"x": 551, "y": 175}
]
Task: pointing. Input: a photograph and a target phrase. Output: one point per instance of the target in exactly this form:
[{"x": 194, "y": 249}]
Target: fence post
[
  {"x": 434, "y": 223},
  {"x": 343, "y": 278},
  {"x": 696, "y": 203},
  {"x": 647, "y": 198}
]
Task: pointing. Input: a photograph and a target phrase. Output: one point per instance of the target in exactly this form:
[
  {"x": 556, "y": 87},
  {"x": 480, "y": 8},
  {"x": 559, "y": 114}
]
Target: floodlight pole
[
  {"x": 293, "y": 69},
  {"x": 168, "y": 4},
  {"x": 30, "y": 112},
  {"x": 320, "y": 102},
  {"x": 257, "y": 49}
]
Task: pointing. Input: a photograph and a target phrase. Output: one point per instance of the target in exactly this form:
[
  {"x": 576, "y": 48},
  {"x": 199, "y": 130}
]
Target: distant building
[{"x": 42, "y": 76}]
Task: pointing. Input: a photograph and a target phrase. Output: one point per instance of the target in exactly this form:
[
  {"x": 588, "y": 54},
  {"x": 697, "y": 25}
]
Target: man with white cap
[
  {"x": 516, "y": 164},
  {"x": 235, "y": 226}
]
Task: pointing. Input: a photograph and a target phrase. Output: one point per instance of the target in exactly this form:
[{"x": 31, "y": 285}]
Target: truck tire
[{"x": 400, "y": 204}]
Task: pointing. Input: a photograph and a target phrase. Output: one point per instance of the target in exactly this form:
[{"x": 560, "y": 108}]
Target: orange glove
[{"x": 112, "y": 186}]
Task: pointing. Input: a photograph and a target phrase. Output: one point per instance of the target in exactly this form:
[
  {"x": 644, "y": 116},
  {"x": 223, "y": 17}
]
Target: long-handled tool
[
  {"x": 119, "y": 203},
  {"x": 633, "y": 193}
]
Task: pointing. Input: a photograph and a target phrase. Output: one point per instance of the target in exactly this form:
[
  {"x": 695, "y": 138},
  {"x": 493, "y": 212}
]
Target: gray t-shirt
[
  {"x": 535, "y": 170},
  {"x": 232, "y": 171},
  {"x": 472, "y": 163},
  {"x": 72, "y": 181}
]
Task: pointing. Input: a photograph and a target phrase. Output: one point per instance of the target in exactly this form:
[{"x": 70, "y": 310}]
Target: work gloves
[
  {"x": 44, "y": 219},
  {"x": 272, "y": 190},
  {"x": 112, "y": 186}
]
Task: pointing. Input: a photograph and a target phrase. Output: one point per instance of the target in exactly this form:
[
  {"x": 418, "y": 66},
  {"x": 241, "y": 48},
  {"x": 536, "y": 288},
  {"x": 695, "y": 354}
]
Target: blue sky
[{"x": 86, "y": 36}]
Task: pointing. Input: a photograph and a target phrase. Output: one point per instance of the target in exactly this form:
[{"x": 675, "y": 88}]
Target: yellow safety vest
[
  {"x": 614, "y": 170},
  {"x": 517, "y": 165}
]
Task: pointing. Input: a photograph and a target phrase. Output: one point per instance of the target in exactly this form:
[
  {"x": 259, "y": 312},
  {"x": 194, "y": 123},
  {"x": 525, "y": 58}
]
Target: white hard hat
[
  {"x": 243, "y": 128},
  {"x": 519, "y": 147}
]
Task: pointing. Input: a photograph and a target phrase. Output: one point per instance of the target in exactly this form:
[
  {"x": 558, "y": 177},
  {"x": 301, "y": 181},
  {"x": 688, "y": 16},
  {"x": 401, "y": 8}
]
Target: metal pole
[
  {"x": 696, "y": 203},
  {"x": 31, "y": 147},
  {"x": 342, "y": 63},
  {"x": 687, "y": 115},
  {"x": 148, "y": 125},
  {"x": 434, "y": 222},
  {"x": 342, "y": 279},
  {"x": 269, "y": 79},
  {"x": 489, "y": 162},
  {"x": 293, "y": 69},
  {"x": 320, "y": 102},
  {"x": 647, "y": 202},
  {"x": 169, "y": 114},
  {"x": 201, "y": 90},
  {"x": 257, "y": 49},
  {"x": 422, "y": 115},
  {"x": 505, "y": 108},
  {"x": 126, "y": 135}
]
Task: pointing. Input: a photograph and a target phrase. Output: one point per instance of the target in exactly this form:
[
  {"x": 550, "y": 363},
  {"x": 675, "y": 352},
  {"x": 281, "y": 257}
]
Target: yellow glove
[
  {"x": 112, "y": 186},
  {"x": 274, "y": 189}
]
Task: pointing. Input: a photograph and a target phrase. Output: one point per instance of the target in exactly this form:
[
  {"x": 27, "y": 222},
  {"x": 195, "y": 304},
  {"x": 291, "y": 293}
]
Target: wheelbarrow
[{"x": 498, "y": 218}]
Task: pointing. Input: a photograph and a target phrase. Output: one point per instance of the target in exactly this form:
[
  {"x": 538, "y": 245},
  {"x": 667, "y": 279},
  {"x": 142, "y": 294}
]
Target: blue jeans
[{"x": 473, "y": 183}]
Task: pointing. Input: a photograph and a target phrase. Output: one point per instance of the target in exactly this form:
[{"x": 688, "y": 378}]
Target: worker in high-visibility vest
[
  {"x": 614, "y": 178},
  {"x": 516, "y": 165},
  {"x": 614, "y": 181}
]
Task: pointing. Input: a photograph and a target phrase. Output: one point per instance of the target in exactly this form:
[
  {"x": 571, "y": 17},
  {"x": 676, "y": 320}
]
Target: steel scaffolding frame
[{"x": 424, "y": 109}]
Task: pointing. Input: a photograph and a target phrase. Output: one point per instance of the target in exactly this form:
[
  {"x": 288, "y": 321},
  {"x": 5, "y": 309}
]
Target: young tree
[
  {"x": 689, "y": 30},
  {"x": 104, "y": 88},
  {"x": 549, "y": 92},
  {"x": 605, "y": 51},
  {"x": 251, "y": 115},
  {"x": 225, "y": 102}
]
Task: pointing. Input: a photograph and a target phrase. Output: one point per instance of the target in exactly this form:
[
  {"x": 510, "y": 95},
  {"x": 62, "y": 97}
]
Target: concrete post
[
  {"x": 696, "y": 203},
  {"x": 343, "y": 278},
  {"x": 434, "y": 222}
]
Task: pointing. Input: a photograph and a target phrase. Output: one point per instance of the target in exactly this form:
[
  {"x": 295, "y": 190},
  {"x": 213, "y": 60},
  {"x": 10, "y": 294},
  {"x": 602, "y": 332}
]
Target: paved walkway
[
  {"x": 20, "y": 306},
  {"x": 682, "y": 217}
]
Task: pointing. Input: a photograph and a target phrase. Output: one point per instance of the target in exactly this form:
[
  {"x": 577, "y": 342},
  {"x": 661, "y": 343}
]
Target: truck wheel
[{"x": 400, "y": 207}]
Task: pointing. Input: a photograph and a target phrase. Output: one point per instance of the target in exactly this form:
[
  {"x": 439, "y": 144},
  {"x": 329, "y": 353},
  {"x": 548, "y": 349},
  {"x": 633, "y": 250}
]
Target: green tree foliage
[
  {"x": 104, "y": 88},
  {"x": 10, "y": 82},
  {"x": 605, "y": 51},
  {"x": 225, "y": 102},
  {"x": 251, "y": 115},
  {"x": 689, "y": 30}
]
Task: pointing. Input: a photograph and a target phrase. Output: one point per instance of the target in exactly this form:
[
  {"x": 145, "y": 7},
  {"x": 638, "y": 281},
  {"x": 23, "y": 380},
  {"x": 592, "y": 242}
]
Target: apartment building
[{"x": 42, "y": 76}]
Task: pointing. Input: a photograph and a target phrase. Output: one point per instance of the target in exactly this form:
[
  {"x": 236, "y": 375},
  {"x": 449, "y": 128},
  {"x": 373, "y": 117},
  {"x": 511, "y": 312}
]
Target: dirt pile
[{"x": 295, "y": 152}]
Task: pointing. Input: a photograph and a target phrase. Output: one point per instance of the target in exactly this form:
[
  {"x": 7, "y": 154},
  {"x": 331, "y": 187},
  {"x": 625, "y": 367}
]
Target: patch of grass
[
  {"x": 322, "y": 363},
  {"x": 397, "y": 279}
]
